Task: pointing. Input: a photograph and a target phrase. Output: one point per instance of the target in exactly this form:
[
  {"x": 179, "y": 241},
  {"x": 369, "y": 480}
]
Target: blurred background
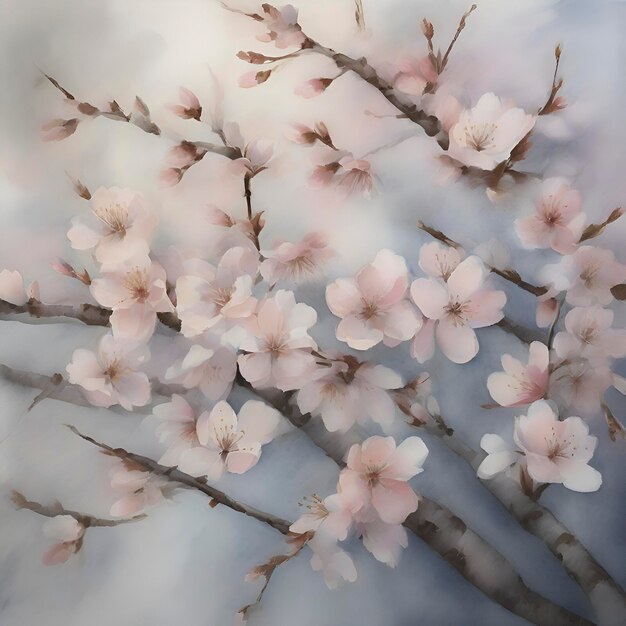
[{"x": 187, "y": 562}]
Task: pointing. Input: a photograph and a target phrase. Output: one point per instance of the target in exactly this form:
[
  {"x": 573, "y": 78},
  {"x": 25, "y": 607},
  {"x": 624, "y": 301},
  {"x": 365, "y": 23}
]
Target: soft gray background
[{"x": 186, "y": 562}]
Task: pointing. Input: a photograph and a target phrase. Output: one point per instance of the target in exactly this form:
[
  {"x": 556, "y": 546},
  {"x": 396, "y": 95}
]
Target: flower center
[
  {"x": 588, "y": 275},
  {"x": 227, "y": 437},
  {"x": 480, "y": 136},
  {"x": 560, "y": 448},
  {"x": 136, "y": 283},
  {"x": 372, "y": 474},
  {"x": 301, "y": 266},
  {"x": 114, "y": 217},
  {"x": 457, "y": 312},
  {"x": 368, "y": 310},
  {"x": 221, "y": 296}
]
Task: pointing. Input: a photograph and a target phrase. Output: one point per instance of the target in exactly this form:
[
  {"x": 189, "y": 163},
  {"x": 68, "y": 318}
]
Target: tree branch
[
  {"x": 52, "y": 510},
  {"x": 438, "y": 527},
  {"x": 174, "y": 475}
]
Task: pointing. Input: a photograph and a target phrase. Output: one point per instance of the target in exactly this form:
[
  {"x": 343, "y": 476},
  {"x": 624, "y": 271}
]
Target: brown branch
[
  {"x": 459, "y": 30},
  {"x": 508, "y": 274},
  {"x": 174, "y": 475},
  {"x": 89, "y": 314},
  {"x": 434, "y": 524},
  {"x": 450, "y": 537},
  {"x": 52, "y": 510},
  {"x": 144, "y": 122}
]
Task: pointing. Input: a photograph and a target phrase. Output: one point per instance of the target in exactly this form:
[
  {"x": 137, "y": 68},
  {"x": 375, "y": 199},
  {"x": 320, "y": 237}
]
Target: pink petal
[{"x": 458, "y": 343}]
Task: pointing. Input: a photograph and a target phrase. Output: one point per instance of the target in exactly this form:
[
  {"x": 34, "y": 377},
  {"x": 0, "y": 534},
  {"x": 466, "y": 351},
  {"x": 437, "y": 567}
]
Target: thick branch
[
  {"x": 434, "y": 524},
  {"x": 450, "y": 537}
]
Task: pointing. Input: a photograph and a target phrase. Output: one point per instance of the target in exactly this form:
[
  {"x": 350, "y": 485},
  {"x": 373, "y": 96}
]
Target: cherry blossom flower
[
  {"x": 557, "y": 222},
  {"x": 439, "y": 261},
  {"x": 348, "y": 392},
  {"x": 374, "y": 483},
  {"x": 190, "y": 107},
  {"x": 277, "y": 343},
  {"x": 230, "y": 442},
  {"x": 296, "y": 262},
  {"x": 485, "y": 135},
  {"x": 459, "y": 306},
  {"x": 211, "y": 369},
  {"x": 136, "y": 293},
  {"x": 414, "y": 75},
  {"x": 328, "y": 516},
  {"x": 12, "y": 288},
  {"x": 313, "y": 88},
  {"x": 590, "y": 336},
  {"x": 67, "y": 532},
  {"x": 335, "y": 563},
  {"x": 210, "y": 295},
  {"x": 58, "y": 129},
  {"x": 119, "y": 227},
  {"x": 547, "y": 310},
  {"x": 384, "y": 541},
  {"x": 373, "y": 306},
  {"x": 355, "y": 177},
  {"x": 557, "y": 451},
  {"x": 519, "y": 384},
  {"x": 176, "y": 427},
  {"x": 110, "y": 377},
  {"x": 137, "y": 489},
  {"x": 282, "y": 26},
  {"x": 580, "y": 384},
  {"x": 587, "y": 275},
  {"x": 256, "y": 154}
]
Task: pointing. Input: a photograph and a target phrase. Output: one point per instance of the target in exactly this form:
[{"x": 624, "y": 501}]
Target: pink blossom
[
  {"x": 355, "y": 177},
  {"x": 277, "y": 344},
  {"x": 176, "y": 428},
  {"x": 110, "y": 377},
  {"x": 414, "y": 75},
  {"x": 254, "y": 78},
  {"x": 313, "y": 88},
  {"x": 374, "y": 484},
  {"x": 384, "y": 541},
  {"x": 459, "y": 306},
  {"x": 67, "y": 532},
  {"x": 256, "y": 154},
  {"x": 373, "y": 306},
  {"x": 499, "y": 456},
  {"x": 485, "y": 135},
  {"x": 328, "y": 516},
  {"x": 423, "y": 344},
  {"x": 521, "y": 384},
  {"x": 557, "y": 222},
  {"x": 211, "y": 369},
  {"x": 137, "y": 489},
  {"x": 587, "y": 275},
  {"x": 557, "y": 451},
  {"x": 589, "y": 335},
  {"x": 230, "y": 442},
  {"x": 282, "y": 26},
  {"x": 58, "y": 129},
  {"x": 547, "y": 311},
  {"x": 190, "y": 107},
  {"x": 439, "y": 261},
  {"x": 136, "y": 293},
  {"x": 581, "y": 385},
  {"x": 12, "y": 288},
  {"x": 336, "y": 564},
  {"x": 209, "y": 295},
  {"x": 296, "y": 262},
  {"x": 348, "y": 392},
  {"x": 118, "y": 228}
]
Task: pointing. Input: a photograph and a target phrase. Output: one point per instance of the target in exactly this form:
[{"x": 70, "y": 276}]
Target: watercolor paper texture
[{"x": 312, "y": 314}]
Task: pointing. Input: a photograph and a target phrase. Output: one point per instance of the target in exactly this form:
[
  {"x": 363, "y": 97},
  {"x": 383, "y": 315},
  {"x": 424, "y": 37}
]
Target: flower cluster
[{"x": 373, "y": 499}]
